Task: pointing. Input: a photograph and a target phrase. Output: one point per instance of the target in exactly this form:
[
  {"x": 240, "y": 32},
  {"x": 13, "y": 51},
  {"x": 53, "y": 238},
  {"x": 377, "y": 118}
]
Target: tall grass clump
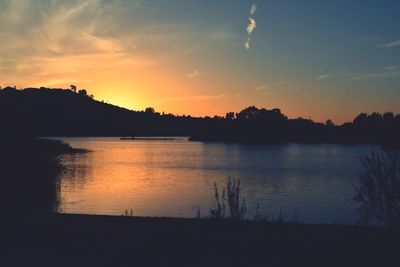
[
  {"x": 230, "y": 197},
  {"x": 379, "y": 190}
]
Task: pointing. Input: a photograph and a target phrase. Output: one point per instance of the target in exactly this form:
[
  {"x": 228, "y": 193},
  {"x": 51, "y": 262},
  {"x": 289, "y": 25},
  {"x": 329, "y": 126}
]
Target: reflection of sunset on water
[
  {"x": 137, "y": 176},
  {"x": 175, "y": 178}
]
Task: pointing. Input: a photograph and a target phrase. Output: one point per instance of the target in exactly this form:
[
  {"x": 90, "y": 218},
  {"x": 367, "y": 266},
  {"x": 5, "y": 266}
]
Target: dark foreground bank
[
  {"x": 29, "y": 176},
  {"x": 78, "y": 240}
]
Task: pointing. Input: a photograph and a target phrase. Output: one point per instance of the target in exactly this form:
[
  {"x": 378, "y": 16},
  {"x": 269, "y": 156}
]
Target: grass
[
  {"x": 231, "y": 196},
  {"x": 229, "y": 205}
]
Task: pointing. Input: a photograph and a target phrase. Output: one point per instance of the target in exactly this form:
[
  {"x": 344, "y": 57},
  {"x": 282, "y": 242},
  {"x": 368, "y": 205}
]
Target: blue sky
[{"x": 315, "y": 59}]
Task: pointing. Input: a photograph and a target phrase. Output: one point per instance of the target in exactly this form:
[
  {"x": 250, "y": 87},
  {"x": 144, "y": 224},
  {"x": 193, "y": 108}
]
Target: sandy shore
[{"x": 81, "y": 240}]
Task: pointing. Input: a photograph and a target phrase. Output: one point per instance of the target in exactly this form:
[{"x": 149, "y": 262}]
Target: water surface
[{"x": 175, "y": 178}]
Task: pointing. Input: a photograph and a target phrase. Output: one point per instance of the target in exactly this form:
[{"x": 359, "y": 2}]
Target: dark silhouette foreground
[
  {"x": 29, "y": 176},
  {"x": 75, "y": 240},
  {"x": 379, "y": 190},
  {"x": 58, "y": 112},
  {"x": 29, "y": 170}
]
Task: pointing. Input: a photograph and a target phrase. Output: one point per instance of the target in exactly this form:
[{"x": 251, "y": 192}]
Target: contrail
[{"x": 251, "y": 26}]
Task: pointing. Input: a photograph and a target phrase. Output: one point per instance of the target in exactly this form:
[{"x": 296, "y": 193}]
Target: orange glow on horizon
[{"x": 135, "y": 83}]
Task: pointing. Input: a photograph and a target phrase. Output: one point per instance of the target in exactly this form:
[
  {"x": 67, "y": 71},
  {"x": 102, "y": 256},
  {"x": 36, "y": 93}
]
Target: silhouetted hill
[
  {"x": 58, "y": 112},
  {"x": 63, "y": 112}
]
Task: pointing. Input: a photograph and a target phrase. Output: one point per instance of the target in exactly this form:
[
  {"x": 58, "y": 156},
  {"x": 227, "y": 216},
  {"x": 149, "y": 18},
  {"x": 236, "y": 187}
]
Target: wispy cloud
[
  {"x": 193, "y": 74},
  {"x": 247, "y": 43},
  {"x": 267, "y": 88},
  {"x": 251, "y": 26},
  {"x": 253, "y": 9},
  {"x": 279, "y": 83},
  {"x": 385, "y": 72},
  {"x": 261, "y": 87},
  {"x": 391, "y": 44},
  {"x": 39, "y": 30},
  {"x": 393, "y": 67},
  {"x": 194, "y": 98},
  {"x": 322, "y": 77}
]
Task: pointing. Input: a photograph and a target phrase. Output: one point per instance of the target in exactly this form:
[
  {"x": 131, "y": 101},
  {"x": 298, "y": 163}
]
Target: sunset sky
[{"x": 318, "y": 59}]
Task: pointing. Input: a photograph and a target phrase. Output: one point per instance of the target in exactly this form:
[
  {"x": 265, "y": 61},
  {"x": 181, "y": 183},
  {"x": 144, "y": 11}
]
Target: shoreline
[
  {"x": 228, "y": 141},
  {"x": 97, "y": 240}
]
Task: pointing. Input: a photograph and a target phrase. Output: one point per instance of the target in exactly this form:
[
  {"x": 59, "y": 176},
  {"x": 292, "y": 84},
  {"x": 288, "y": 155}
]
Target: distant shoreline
[
  {"x": 48, "y": 112},
  {"x": 208, "y": 140}
]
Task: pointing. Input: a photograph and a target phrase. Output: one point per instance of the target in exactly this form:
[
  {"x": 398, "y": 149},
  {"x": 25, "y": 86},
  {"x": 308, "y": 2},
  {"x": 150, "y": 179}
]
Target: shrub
[{"x": 379, "y": 191}]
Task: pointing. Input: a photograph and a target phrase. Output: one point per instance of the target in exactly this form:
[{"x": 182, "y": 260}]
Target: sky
[{"x": 315, "y": 59}]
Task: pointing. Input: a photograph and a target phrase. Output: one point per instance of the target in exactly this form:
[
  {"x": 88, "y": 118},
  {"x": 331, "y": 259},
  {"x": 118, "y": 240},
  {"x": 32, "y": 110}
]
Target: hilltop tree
[
  {"x": 329, "y": 122},
  {"x": 149, "y": 110},
  {"x": 73, "y": 88},
  {"x": 83, "y": 92}
]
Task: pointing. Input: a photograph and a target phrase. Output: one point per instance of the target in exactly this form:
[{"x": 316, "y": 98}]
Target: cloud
[
  {"x": 261, "y": 87},
  {"x": 253, "y": 9},
  {"x": 194, "y": 98},
  {"x": 280, "y": 83},
  {"x": 36, "y": 29},
  {"x": 60, "y": 71},
  {"x": 54, "y": 41},
  {"x": 38, "y": 34},
  {"x": 268, "y": 88},
  {"x": 322, "y": 77},
  {"x": 393, "y": 67},
  {"x": 193, "y": 74},
  {"x": 251, "y": 26},
  {"x": 391, "y": 45},
  {"x": 387, "y": 72},
  {"x": 247, "y": 43}
]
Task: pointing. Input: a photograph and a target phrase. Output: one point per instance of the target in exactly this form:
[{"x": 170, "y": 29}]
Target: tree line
[{"x": 73, "y": 112}]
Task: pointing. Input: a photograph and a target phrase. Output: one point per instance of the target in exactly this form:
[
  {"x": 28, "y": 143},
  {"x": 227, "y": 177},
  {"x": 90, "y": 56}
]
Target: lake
[{"x": 313, "y": 183}]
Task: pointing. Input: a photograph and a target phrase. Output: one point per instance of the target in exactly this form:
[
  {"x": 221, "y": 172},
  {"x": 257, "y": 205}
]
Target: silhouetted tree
[
  {"x": 149, "y": 110},
  {"x": 361, "y": 118},
  {"x": 329, "y": 122},
  {"x": 230, "y": 116},
  {"x": 82, "y": 92},
  {"x": 249, "y": 113},
  {"x": 388, "y": 117},
  {"x": 379, "y": 191},
  {"x": 73, "y": 88}
]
